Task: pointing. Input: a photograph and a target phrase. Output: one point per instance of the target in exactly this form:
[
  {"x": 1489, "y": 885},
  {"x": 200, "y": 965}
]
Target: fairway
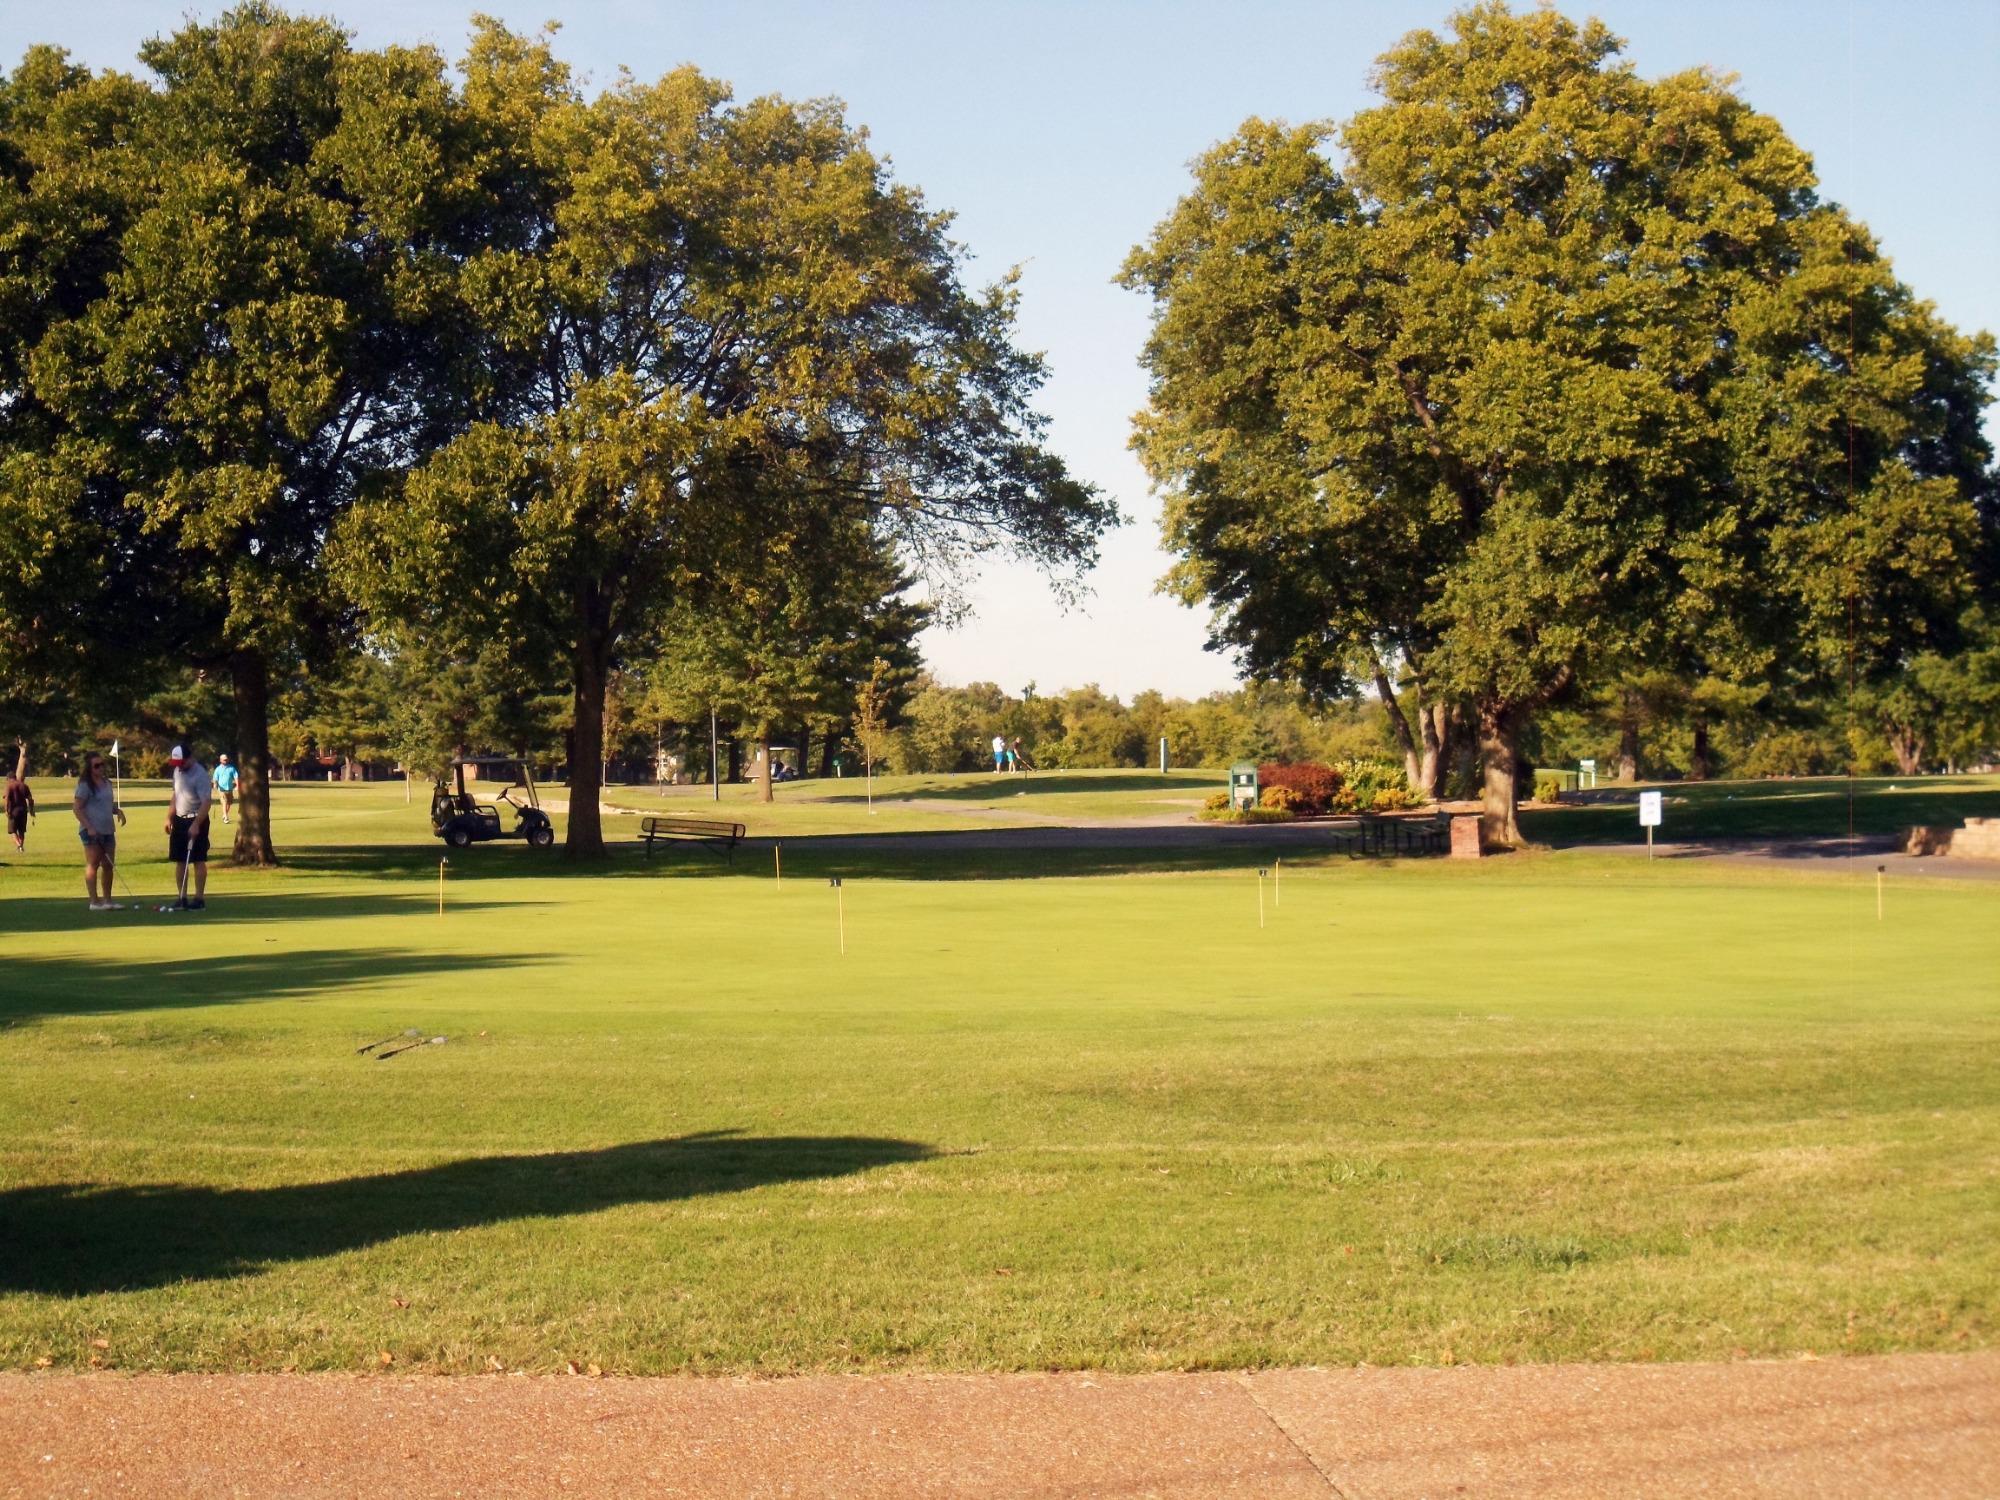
[{"x": 1550, "y": 1107}]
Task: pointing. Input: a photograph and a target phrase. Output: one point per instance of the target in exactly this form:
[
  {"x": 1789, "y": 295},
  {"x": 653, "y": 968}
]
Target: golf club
[
  {"x": 393, "y": 1051},
  {"x": 386, "y": 1040}
]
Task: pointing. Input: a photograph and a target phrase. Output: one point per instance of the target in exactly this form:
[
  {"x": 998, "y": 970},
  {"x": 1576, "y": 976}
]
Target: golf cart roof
[{"x": 486, "y": 760}]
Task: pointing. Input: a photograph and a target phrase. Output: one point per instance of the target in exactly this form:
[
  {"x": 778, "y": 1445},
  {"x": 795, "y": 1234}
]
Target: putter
[
  {"x": 358, "y": 1051},
  {"x": 385, "y": 1056}
]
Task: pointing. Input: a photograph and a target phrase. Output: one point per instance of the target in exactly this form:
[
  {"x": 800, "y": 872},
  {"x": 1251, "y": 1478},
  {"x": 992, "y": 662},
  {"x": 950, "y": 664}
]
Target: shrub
[
  {"x": 1245, "y": 815},
  {"x": 1281, "y": 797},
  {"x": 1215, "y": 802},
  {"x": 1548, "y": 789},
  {"x": 1788, "y": 752},
  {"x": 1396, "y": 799},
  {"x": 1370, "y": 776},
  {"x": 1315, "y": 786}
]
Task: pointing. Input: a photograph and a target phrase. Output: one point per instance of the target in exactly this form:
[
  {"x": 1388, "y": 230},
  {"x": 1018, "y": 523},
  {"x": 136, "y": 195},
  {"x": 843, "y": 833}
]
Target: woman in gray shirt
[{"x": 97, "y": 818}]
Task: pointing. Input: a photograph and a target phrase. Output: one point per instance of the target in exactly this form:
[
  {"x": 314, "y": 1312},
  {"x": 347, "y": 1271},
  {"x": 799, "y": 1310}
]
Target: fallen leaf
[
  {"x": 495, "y": 1366},
  {"x": 1003, "y": 1271},
  {"x": 570, "y": 1367},
  {"x": 43, "y": 1363},
  {"x": 400, "y": 1301},
  {"x": 100, "y": 1343},
  {"x": 593, "y": 1369},
  {"x": 386, "y": 1357}
]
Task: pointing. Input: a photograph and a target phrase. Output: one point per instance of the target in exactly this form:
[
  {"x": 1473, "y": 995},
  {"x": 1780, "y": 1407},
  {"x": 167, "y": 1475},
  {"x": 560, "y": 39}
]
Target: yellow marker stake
[
  {"x": 1277, "y": 885},
  {"x": 1260, "y": 900},
  {"x": 441, "y": 864},
  {"x": 1879, "y": 869},
  {"x": 778, "y": 864}
]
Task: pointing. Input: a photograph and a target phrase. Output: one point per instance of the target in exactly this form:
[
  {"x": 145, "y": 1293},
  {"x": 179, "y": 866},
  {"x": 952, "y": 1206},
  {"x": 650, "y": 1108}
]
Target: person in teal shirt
[{"x": 225, "y": 783}]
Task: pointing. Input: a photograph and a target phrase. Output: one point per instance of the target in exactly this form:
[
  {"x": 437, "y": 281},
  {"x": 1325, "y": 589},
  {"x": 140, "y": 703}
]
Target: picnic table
[{"x": 1375, "y": 833}]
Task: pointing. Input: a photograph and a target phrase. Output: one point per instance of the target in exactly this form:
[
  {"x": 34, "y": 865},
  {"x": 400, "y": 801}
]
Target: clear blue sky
[{"x": 1059, "y": 131}]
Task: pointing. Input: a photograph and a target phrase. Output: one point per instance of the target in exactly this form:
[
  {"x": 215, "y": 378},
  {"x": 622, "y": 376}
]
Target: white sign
[{"x": 1649, "y": 809}]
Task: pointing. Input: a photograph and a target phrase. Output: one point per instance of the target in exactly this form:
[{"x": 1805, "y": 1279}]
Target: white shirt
[
  {"x": 192, "y": 789},
  {"x": 999, "y": 744}
]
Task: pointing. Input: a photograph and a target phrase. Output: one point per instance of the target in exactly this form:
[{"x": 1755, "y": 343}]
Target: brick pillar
[{"x": 1465, "y": 838}]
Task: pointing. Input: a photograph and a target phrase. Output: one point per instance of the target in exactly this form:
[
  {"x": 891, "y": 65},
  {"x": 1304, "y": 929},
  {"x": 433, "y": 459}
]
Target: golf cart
[{"x": 461, "y": 820}]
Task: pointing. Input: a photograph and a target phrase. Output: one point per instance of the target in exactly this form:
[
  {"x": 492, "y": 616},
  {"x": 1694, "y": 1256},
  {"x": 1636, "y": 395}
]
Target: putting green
[{"x": 1556, "y": 1106}]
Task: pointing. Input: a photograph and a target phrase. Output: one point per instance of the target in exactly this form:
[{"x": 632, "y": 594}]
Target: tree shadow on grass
[
  {"x": 230, "y": 908},
  {"x": 75, "y": 1239},
  {"x": 40, "y": 987}
]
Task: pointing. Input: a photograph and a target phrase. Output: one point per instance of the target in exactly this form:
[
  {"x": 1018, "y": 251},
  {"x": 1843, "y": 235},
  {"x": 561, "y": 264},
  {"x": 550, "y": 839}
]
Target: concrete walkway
[{"x": 1911, "y": 1426}]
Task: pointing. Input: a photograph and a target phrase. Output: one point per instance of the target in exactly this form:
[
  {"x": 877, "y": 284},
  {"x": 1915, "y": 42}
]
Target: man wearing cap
[{"x": 187, "y": 826}]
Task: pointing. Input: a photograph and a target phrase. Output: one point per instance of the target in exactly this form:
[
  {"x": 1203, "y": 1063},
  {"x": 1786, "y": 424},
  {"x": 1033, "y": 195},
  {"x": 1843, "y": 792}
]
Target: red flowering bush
[{"x": 1313, "y": 787}]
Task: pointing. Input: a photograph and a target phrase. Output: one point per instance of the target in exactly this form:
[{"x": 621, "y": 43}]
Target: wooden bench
[{"x": 705, "y": 831}]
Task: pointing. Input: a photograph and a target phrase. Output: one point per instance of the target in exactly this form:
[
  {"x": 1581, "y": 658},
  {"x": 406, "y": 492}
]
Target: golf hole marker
[
  {"x": 839, "y": 909},
  {"x": 1261, "y": 873},
  {"x": 441, "y": 864},
  {"x": 778, "y": 863},
  {"x": 1880, "y": 871}
]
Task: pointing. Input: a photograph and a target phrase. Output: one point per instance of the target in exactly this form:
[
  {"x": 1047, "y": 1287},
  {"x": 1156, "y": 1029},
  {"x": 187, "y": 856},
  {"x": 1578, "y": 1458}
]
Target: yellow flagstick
[
  {"x": 1260, "y": 900},
  {"x": 778, "y": 864},
  {"x": 1879, "y": 869},
  {"x": 1277, "y": 877},
  {"x": 441, "y": 864},
  {"x": 840, "y": 909}
]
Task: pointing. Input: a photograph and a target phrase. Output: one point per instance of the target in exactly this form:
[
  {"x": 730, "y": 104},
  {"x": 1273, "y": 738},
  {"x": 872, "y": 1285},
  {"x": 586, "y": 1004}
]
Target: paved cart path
[{"x": 1906, "y": 1425}]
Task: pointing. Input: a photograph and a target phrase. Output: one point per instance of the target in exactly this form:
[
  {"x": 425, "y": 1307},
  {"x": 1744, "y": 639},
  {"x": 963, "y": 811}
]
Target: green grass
[
  {"x": 1559, "y": 1106},
  {"x": 1809, "y": 807}
]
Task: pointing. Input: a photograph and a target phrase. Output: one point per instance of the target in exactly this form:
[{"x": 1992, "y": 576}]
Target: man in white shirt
[
  {"x": 999, "y": 752},
  {"x": 187, "y": 826}
]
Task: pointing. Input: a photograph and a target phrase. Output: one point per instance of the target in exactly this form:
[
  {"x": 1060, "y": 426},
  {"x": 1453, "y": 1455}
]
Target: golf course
[{"x": 981, "y": 1107}]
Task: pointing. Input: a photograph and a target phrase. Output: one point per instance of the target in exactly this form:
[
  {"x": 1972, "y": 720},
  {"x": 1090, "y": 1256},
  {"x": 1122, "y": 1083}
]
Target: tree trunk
[
  {"x": 1628, "y": 738},
  {"x": 585, "y": 839},
  {"x": 1499, "y": 739},
  {"x": 1908, "y": 748},
  {"x": 1701, "y": 765},
  {"x": 1435, "y": 763},
  {"x": 250, "y": 683},
  {"x": 735, "y": 761},
  {"x": 829, "y": 744},
  {"x": 805, "y": 748},
  {"x": 764, "y": 766}
]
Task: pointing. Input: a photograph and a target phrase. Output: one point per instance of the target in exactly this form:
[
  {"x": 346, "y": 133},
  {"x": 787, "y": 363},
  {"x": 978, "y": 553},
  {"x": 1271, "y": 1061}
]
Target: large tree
[
  {"x": 1552, "y": 371},
  {"x": 262, "y": 346},
  {"x": 715, "y": 322}
]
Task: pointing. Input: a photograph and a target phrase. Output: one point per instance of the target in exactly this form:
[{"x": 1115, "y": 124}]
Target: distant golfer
[
  {"x": 1015, "y": 758},
  {"x": 999, "y": 753},
  {"x": 19, "y": 800},
  {"x": 98, "y": 817},
  {"x": 187, "y": 826},
  {"x": 225, "y": 784}
]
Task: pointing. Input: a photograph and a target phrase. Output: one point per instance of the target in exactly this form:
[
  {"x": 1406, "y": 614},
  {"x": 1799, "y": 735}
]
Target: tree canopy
[
  {"x": 714, "y": 324},
  {"x": 1539, "y": 369}
]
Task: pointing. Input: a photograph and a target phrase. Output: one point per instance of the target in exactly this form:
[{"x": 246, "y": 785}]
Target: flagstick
[
  {"x": 441, "y": 864},
  {"x": 1277, "y": 889},
  {"x": 778, "y": 864},
  {"x": 1260, "y": 900}
]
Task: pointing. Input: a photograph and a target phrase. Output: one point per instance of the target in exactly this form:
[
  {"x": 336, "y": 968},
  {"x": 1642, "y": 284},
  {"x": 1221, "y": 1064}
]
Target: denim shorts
[{"x": 107, "y": 843}]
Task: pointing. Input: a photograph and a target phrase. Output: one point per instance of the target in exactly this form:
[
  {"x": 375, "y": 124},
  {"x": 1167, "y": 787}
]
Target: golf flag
[{"x": 114, "y": 749}]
